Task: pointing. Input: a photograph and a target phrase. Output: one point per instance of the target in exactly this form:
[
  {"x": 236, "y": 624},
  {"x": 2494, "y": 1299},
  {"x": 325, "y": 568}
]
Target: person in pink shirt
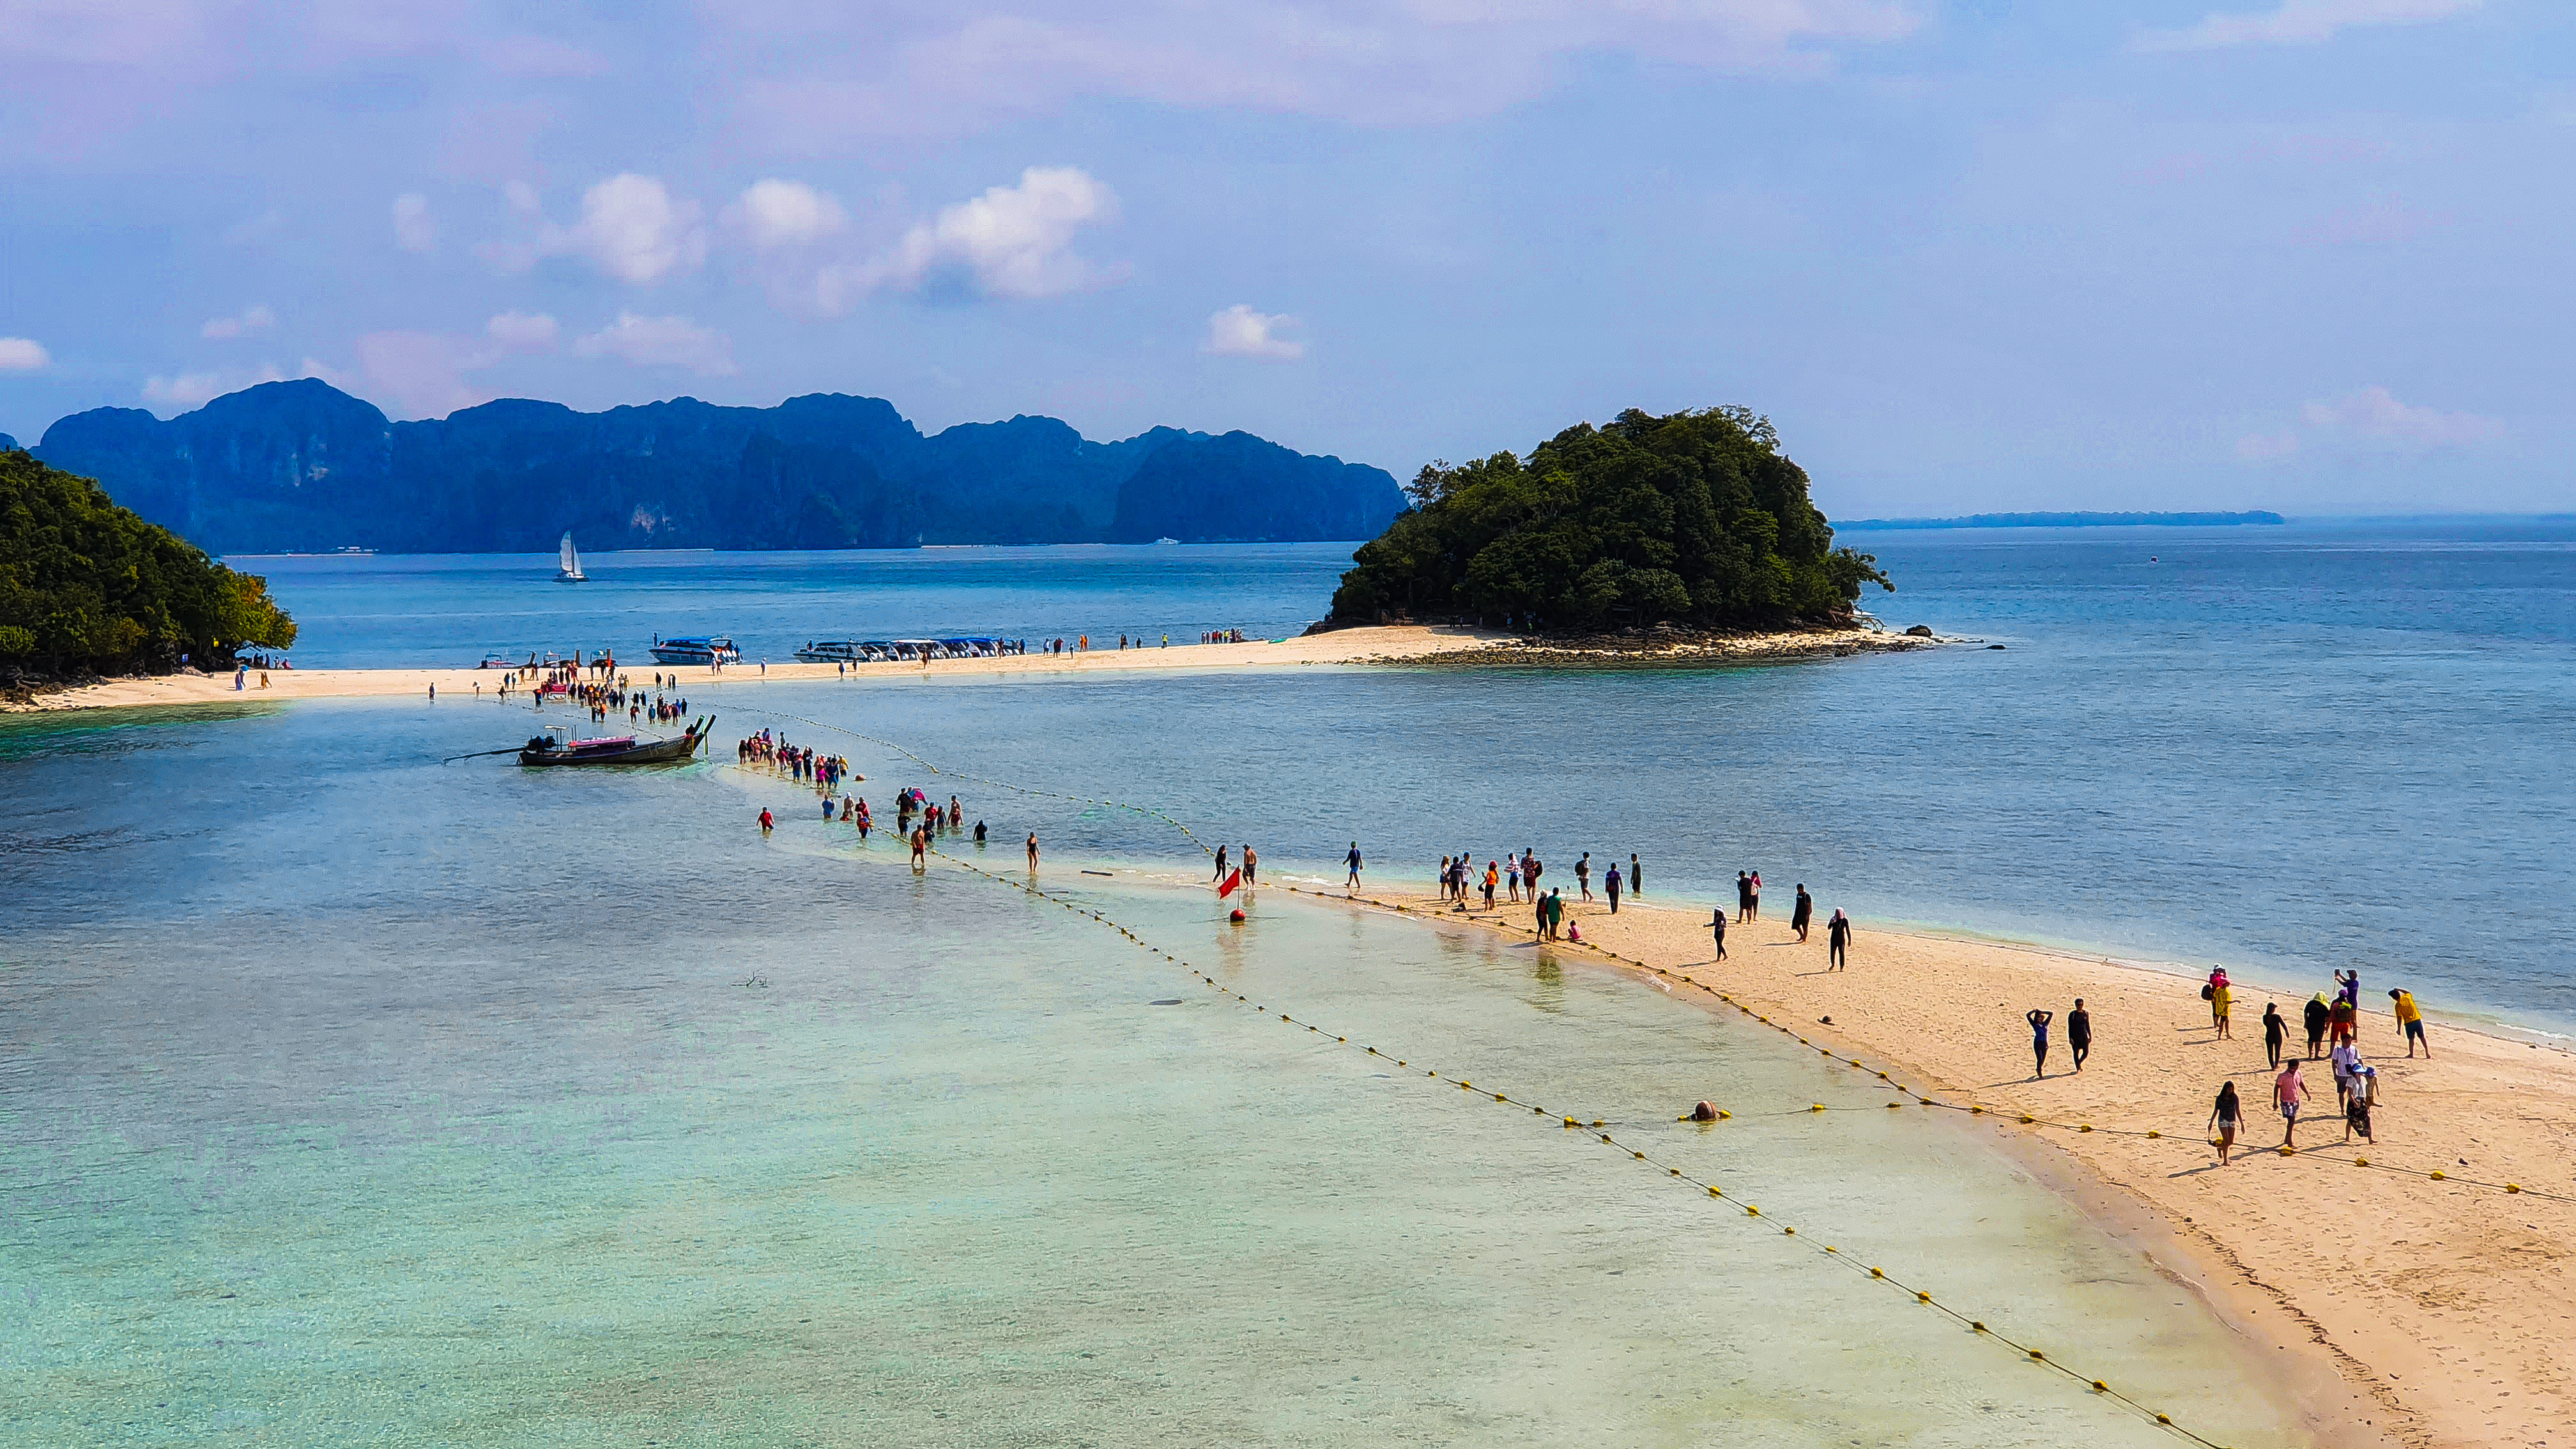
[{"x": 2289, "y": 1091}]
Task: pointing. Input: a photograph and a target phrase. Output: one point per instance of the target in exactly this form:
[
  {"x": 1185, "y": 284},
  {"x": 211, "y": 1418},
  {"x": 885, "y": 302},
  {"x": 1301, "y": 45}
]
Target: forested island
[
  {"x": 87, "y": 587},
  {"x": 2076, "y": 520},
  {"x": 1695, "y": 518}
]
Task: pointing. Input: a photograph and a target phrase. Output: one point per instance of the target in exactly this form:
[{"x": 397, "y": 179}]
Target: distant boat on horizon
[{"x": 571, "y": 572}]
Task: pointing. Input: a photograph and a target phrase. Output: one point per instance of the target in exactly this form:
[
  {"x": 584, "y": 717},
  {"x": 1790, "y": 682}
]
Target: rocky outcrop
[{"x": 303, "y": 466}]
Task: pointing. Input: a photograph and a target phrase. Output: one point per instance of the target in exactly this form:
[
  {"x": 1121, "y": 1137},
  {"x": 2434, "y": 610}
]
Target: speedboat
[{"x": 699, "y": 649}]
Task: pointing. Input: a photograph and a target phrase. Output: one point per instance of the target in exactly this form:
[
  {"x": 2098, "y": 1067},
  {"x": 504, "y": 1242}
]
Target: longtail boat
[{"x": 619, "y": 750}]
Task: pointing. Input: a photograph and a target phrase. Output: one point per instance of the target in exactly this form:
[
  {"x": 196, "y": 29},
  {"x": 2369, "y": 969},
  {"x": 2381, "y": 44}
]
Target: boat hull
[{"x": 657, "y": 752}]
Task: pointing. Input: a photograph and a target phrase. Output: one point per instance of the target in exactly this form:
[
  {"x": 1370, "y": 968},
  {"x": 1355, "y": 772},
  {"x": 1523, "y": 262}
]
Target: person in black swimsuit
[
  {"x": 2275, "y": 1031},
  {"x": 1717, "y": 924},
  {"x": 2079, "y": 1033},
  {"x": 1838, "y": 934},
  {"x": 1802, "y": 912}
]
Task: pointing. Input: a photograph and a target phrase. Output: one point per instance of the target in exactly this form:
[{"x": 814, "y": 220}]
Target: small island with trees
[
  {"x": 1652, "y": 536},
  {"x": 89, "y": 589}
]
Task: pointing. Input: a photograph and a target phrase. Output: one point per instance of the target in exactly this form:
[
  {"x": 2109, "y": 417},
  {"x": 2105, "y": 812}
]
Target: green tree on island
[
  {"x": 88, "y": 586},
  {"x": 1694, "y": 517}
]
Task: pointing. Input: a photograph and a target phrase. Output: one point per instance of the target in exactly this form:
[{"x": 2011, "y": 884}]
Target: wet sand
[
  {"x": 2404, "y": 1308},
  {"x": 1393, "y": 644}
]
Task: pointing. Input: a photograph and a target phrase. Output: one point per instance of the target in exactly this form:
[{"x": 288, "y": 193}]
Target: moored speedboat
[{"x": 700, "y": 649}]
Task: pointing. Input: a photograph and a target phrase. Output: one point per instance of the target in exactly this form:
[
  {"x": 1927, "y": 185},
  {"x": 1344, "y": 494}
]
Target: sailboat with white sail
[{"x": 571, "y": 572}]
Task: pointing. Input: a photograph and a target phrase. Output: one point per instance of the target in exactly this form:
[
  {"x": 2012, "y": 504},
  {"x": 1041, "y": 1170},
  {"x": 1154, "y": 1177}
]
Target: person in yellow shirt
[
  {"x": 2411, "y": 1022},
  {"x": 2220, "y": 998}
]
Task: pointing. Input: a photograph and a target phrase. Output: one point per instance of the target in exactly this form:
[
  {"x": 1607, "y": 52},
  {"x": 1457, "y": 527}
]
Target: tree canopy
[
  {"x": 1692, "y": 517},
  {"x": 85, "y": 584}
]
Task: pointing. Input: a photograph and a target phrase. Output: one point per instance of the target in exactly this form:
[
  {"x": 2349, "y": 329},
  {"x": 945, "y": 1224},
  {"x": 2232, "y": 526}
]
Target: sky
[{"x": 1968, "y": 255}]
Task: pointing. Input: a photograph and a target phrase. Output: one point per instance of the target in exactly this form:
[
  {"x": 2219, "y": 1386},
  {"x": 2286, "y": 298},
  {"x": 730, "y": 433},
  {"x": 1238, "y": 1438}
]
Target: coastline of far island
[{"x": 2254, "y": 516}]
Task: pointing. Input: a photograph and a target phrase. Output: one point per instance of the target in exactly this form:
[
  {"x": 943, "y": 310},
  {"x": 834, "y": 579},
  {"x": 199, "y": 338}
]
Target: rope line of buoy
[
  {"x": 1972, "y": 1108},
  {"x": 1599, "y": 1128}
]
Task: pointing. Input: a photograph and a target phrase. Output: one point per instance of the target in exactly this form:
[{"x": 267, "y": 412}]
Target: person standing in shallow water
[
  {"x": 1353, "y": 861},
  {"x": 1636, "y": 876},
  {"x": 1033, "y": 850},
  {"x": 2039, "y": 1021},
  {"x": 1802, "y": 912},
  {"x": 2079, "y": 1033},
  {"x": 1583, "y": 875}
]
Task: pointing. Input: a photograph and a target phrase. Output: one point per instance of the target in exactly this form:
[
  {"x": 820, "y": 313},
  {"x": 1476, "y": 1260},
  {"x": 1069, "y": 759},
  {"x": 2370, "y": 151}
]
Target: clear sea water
[{"x": 350, "y": 1095}]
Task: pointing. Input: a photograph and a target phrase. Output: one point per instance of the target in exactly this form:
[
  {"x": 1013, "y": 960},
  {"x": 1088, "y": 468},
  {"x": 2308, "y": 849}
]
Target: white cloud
[
  {"x": 824, "y": 78},
  {"x": 2299, "y": 22},
  {"x": 521, "y": 196},
  {"x": 775, "y": 214},
  {"x": 632, "y": 229},
  {"x": 1012, "y": 241},
  {"x": 188, "y": 390},
  {"x": 23, "y": 354},
  {"x": 2375, "y": 413},
  {"x": 254, "y": 318},
  {"x": 422, "y": 371},
  {"x": 1238, "y": 331},
  {"x": 414, "y": 231},
  {"x": 522, "y": 331},
  {"x": 2264, "y": 447},
  {"x": 661, "y": 342}
]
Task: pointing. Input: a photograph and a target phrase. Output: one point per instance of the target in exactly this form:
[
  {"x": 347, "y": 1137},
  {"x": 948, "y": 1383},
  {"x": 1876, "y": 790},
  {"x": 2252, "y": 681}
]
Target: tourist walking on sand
[
  {"x": 1610, "y": 883},
  {"x": 2315, "y": 1014},
  {"x": 2039, "y": 1021},
  {"x": 1800, "y": 913},
  {"x": 2410, "y": 1023},
  {"x": 2289, "y": 1090},
  {"x": 1717, "y": 924},
  {"x": 2356, "y": 1111},
  {"x": 1353, "y": 861},
  {"x": 2342, "y": 1022},
  {"x": 2225, "y": 1117},
  {"x": 1838, "y": 934},
  {"x": 2275, "y": 1031},
  {"x": 1743, "y": 896},
  {"x": 2221, "y": 997},
  {"x": 1220, "y": 864},
  {"x": 2209, "y": 991},
  {"x": 2079, "y": 1033}
]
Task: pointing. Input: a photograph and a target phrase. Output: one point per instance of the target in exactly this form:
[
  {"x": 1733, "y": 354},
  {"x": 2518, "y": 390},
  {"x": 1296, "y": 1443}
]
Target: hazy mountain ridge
[{"x": 301, "y": 465}]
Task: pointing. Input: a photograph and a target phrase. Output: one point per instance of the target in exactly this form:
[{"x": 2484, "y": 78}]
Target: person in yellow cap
[{"x": 2411, "y": 1022}]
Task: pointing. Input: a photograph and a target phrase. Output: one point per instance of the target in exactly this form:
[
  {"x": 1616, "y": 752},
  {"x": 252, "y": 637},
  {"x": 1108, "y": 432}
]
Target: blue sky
[{"x": 2303, "y": 254}]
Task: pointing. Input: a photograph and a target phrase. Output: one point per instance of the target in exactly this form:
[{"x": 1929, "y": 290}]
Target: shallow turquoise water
[{"x": 351, "y": 1096}]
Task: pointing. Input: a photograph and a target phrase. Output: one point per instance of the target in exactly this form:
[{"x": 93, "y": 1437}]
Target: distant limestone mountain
[
  {"x": 292, "y": 466},
  {"x": 8, "y": 444}
]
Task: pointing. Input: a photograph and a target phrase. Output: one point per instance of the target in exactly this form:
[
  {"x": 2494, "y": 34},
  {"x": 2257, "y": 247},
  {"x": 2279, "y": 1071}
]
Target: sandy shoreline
[
  {"x": 2398, "y": 1308},
  {"x": 1388, "y": 645}
]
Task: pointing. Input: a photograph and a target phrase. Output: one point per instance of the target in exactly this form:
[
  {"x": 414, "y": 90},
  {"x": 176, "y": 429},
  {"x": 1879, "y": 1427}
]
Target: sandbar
[
  {"x": 1398, "y": 644},
  {"x": 2404, "y": 1308}
]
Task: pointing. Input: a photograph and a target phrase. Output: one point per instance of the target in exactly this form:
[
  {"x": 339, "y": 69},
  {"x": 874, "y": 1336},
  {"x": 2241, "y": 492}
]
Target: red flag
[{"x": 1233, "y": 878}]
